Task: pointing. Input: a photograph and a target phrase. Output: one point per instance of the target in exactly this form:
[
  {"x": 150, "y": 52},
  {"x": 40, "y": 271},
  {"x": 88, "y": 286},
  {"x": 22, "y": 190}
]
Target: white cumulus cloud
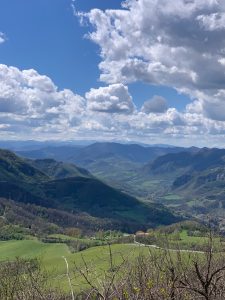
[
  {"x": 179, "y": 44},
  {"x": 28, "y": 99},
  {"x": 114, "y": 98},
  {"x": 32, "y": 106}
]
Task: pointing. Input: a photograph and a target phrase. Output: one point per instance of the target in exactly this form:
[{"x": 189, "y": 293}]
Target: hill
[
  {"x": 195, "y": 182},
  {"x": 187, "y": 161},
  {"x": 100, "y": 200},
  {"x": 114, "y": 163},
  {"x": 131, "y": 152},
  {"x": 85, "y": 155},
  {"x": 57, "y": 152},
  {"x": 23, "y": 183},
  {"x": 59, "y": 170},
  {"x": 206, "y": 187},
  {"x": 42, "y": 220},
  {"x": 14, "y": 168}
]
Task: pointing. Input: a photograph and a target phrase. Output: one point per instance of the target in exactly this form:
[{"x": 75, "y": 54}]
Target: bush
[
  {"x": 12, "y": 232},
  {"x": 160, "y": 275},
  {"x": 24, "y": 280}
]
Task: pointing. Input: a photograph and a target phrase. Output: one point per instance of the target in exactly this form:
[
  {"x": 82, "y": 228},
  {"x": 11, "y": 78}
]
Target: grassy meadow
[
  {"x": 51, "y": 257},
  {"x": 185, "y": 236}
]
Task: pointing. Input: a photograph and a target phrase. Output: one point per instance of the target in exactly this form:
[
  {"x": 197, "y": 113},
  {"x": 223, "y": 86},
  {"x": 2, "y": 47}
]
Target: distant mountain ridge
[
  {"x": 59, "y": 153},
  {"x": 83, "y": 155},
  {"x": 131, "y": 152}
]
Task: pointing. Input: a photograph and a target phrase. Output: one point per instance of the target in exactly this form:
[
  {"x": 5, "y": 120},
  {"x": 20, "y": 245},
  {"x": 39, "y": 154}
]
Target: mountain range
[
  {"x": 187, "y": 180},
  {"x": 63, "y": 187},
  {"x": 116, "y": 164},
  {"x": 86, "y": 155}
]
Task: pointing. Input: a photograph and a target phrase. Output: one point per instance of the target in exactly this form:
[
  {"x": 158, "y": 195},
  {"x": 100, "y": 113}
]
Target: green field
[
  {"x": 97, "y": 258},
  {"x": 51, "y": 256},
  {"x": 188, "y": 242}
]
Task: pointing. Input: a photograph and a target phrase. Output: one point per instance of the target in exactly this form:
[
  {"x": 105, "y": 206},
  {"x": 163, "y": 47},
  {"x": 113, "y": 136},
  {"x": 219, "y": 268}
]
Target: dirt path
[{"x": 166, "y": 249}]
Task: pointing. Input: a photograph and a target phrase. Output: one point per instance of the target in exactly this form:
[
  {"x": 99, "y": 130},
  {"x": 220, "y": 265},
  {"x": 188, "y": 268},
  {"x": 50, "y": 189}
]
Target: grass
[
  {"x": 192, "y": 239},
  {"x": 51, "y": 259},
  {"x": 29, "y": 249},
  {"x": 193, "y": 242},
  {"x": 97, "y": 258}
]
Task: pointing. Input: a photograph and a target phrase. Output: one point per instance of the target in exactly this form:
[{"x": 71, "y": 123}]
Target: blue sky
[
  {"x": 47, "y": 37},
  {"x": 152, "y": 71}
]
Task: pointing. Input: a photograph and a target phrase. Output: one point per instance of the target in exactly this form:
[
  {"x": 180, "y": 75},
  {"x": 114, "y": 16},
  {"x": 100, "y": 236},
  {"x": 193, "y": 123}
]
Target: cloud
[
  {"x": 28, "y": 99},
  {"x": 157, "y": 104},
  {"x": 2, "y": 38},
  {"x": 112, "y": 99},
  {"x": 179, "y": 44},
  {"x": 213, "y": 21},
  {"x": 33, "y": 107}
]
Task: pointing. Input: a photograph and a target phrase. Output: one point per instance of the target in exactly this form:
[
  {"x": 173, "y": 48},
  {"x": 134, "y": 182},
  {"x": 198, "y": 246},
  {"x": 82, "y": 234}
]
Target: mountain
[
  {"x": 29, "y": 145},
  {"x": 185, "y": 167},
  {"x": 194, "y": 181},
  {"x": 114, "y": 163},
  {"x": 60, "y": 153},
  {"x": 59, "y": 170},
  {"x": 100, "y": 200},
  {"x": 209, "y": 184},
  {"x": 130, "y": 152},
  {"x": 202, "y": 192},
  {"x": 24, "y": 183},
  {"x": 85, "y": 155},
  {"x": 14, "y": 168},
  {"x": 199, "y": 160}
]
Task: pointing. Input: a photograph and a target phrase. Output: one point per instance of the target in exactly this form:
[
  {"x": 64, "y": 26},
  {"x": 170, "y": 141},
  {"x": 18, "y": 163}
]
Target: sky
[{"x": 150, "y": 71}]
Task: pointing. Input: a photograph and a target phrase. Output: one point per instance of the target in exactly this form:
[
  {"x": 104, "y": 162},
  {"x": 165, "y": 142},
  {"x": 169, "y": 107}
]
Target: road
[{"x": 166, "y": 249}]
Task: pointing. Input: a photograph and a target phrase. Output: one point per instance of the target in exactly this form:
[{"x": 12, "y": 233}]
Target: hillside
[
  {"x": 174, "y": 169},
  {"x": 116, "y": 164},
  {"x": 100, "y": 200},
  {"x": 42, "y": 220},
  {"x": 195, "y": 182},
  {"x": 25, "y": 184},
  {"x": 14, "y": 168},
  {"x": 58, "y": 170},
  {"x": 206, "y": 187},
  {"x": 186, "y": 161}
]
